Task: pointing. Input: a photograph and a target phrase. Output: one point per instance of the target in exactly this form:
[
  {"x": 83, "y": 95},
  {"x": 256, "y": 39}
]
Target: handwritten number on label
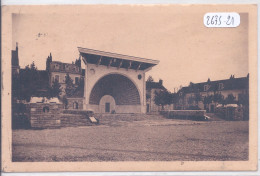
[
  {"x": 214, "y": 20},
  {"x": 219, "y": 20},
  {"x": 208, "y": 20},
  {"x": 230, "y": 19}
]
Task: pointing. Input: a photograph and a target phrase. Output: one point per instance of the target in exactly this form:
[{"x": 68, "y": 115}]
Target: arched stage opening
[
  {"x": 114, "y": 83},
  {"x": 115, "y": 92}
]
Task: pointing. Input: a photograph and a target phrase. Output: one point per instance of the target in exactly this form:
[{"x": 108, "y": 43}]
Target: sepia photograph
[{"x": 102, "y": 84}]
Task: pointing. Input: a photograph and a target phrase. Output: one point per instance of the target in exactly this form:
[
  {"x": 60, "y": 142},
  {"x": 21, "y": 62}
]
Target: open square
[
  {"x": 129, "y": 88},
  {"x": 149, "y": 138}
]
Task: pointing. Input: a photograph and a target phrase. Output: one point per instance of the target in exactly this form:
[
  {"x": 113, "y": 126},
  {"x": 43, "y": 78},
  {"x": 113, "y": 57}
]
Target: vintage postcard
[{"x": 129, "y": 88}]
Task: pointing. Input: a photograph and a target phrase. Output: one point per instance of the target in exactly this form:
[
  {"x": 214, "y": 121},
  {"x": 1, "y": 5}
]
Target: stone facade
[
  {"x": 75, "y": 103},
  {"x": 44, "y": 115},
  {"x": 58, "y": 71},
  {"x": 120, "y": 76}
]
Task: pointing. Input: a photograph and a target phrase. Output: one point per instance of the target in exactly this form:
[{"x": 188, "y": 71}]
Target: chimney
[{"x": 160, "y": 82}]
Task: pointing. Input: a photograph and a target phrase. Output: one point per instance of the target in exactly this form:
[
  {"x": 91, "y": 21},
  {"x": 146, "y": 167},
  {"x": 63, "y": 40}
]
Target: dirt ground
[{"x": 156, "y": 139}]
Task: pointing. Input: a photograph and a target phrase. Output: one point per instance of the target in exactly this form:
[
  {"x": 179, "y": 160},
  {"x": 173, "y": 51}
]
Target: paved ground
[{"x": 155, "y": 139}]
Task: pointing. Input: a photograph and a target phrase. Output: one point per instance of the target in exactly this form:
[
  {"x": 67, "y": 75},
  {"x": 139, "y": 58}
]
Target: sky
[{"x": 187, "y": 50}]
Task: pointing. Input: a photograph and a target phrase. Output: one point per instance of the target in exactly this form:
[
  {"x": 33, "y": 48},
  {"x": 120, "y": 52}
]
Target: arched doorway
[
  {"x": 75, "y": 105},
  {"x": 115, "y": 92},
  {"x": 107, "y": 104}
]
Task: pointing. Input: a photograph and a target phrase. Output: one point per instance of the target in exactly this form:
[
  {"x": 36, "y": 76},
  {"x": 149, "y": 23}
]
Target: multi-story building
[
  {"x": 194, "y": 94},
  {"x": 58, "y": 71},
  {"x": 55, "y": 70},
  {"x": 151, "y": 88}
]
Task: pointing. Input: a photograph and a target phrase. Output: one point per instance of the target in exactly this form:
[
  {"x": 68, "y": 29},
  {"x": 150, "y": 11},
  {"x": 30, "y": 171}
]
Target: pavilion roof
[{"x": 115, "y": 60}]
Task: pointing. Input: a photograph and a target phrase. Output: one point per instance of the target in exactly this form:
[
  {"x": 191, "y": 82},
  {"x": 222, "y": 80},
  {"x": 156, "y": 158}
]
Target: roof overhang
[{"x": 108, "y": 59}]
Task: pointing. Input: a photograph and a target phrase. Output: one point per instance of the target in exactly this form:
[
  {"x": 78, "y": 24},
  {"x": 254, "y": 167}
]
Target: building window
[
  {"x": 46, "y": 109},
  {"x": 57, "y": 77},
  {"x": 220, "y": 86},
  {"x": 206, "y": 87},
  {"x": 76, "y": 80},
  {"x": 75, "y": 105}
]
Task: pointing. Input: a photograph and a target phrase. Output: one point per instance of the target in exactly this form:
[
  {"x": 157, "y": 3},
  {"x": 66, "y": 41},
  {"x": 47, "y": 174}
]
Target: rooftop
[
  {"x": 115, "y": 60},
  {"x": 227, "y": 84}
]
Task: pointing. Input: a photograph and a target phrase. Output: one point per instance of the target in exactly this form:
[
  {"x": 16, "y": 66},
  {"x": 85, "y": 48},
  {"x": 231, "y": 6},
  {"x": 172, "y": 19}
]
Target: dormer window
[
  {"x": 57, "y": 78},
  {"x": 206, "y": 87},
  {"x": 56, "y": 66},
  {"x": 220, "y": 86}
]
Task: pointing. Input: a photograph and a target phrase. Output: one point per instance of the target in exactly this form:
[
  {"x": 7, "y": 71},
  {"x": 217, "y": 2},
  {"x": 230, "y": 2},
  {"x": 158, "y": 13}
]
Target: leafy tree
[
  {"x": 30, "y": 82},
  {"x": 15, "y": 86},
  {"x": 218, "y": 98},
  {"x": 174, "y": 98},
  {"x": 150, "y": 79},
  {"x": 162, "y": 98},
  {"x": 55, "y": 89},
  {"x": 243, "y": 99},
  {"x": 70, "y": 87},
  {"x": 79, "y": 88},
  {"x": 32, "y": 66},
  {"x": 230, "y": 99},
  {"x": 208, "y": 99}
]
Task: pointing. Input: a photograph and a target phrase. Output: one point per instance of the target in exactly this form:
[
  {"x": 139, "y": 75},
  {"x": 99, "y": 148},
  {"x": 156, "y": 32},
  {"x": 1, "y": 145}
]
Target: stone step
[
  {"x": 127, "y": 117},
  {"x": 82, "y": 120},
  {"x": 74, "y": 120}
]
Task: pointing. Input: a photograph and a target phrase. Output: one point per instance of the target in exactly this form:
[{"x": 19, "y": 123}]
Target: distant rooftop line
[
  {"x": 217, "y": 80},
  {"x": 63, "y": 62}
]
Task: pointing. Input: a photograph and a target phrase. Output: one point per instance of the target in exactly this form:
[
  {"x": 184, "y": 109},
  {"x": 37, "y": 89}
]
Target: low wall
[
  {"x": 82, "y": 112},
  {"x": 118, "y": 108},
  {"x": 73, "y": 101},
  {"x": 44, "y": 115},
  {"x": 184, "y": 114}
]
